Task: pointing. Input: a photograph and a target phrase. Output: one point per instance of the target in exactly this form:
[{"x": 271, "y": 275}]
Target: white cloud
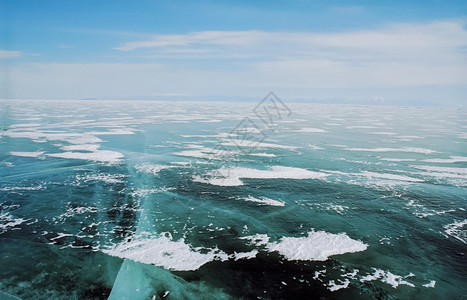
[
  {"x": 395, "y": 55},
  {"x": 381, "y": 63},
  {"x": 9, "y": 54}
]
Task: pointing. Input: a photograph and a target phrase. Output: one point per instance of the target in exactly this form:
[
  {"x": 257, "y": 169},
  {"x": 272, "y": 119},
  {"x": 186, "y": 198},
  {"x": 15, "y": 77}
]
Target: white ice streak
[
  {"x": 263, "y": 154},
  {"x": 398, "y": 159},
  {"x": 452, "y": 159},
  {"x": 310, "y": 130},
  {"x": 245, "y": 143},
  {"x": 389, "y": 176},
  {"x": 98, "y": 156},
  {"x": 232, "y": 176},
  {"x": 27, "y": 154},
  {"x": 265, "y": 201},
  {"x": 332, "y": 286},
  {"x": 404, "y": 149},
  {"x": 245, "y": 255},
  {"x": 442, "y": 169}
]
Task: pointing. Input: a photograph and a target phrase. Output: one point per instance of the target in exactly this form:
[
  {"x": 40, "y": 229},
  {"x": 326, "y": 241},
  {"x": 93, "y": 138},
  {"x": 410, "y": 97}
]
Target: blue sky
[{"x": 362, "y": 52}]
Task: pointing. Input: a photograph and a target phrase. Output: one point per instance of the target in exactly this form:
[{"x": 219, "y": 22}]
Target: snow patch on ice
[
  {"x": 232, "y": 176},
  {"x": 164, "y": 252},
  {"x": 317, "y": 246},
  {"x": 152, "y": 168},
  {"x": 98, "y": 156},
  {"x": 27, "y": 154},
  {"x": 431, "y": 284},
  {"x": 388, "y": 277},
  {"x": 456, "y": 230},
  {"x": 404, "y": 149},
  {"x": 332, "y": 286}
]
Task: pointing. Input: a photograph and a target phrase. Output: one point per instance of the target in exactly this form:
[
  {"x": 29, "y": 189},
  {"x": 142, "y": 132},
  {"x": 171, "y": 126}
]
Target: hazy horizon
[{"x": 390, "y": 53}]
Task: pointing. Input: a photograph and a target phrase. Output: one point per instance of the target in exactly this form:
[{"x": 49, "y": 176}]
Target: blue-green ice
[{"x": 165, "y": 200}]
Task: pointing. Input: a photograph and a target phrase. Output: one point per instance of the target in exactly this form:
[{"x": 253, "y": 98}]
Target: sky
[{"x": 355, "y": 52}]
